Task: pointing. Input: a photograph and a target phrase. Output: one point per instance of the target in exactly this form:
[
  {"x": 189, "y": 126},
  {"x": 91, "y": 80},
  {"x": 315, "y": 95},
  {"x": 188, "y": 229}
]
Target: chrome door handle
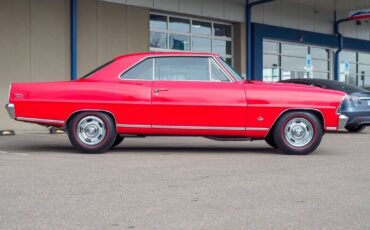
[{"x": 156, "y": 91}]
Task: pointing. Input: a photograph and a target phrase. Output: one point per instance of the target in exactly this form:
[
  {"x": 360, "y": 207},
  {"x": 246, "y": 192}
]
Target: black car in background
[{"x": 356, "y": 105}]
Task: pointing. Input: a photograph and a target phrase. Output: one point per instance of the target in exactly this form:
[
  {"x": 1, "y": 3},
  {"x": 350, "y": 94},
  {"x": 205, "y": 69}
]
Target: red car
[{"x": 177, "y": 94}]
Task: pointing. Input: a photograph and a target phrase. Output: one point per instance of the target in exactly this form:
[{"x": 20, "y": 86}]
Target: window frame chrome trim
[{"x": 154, "y": 56}]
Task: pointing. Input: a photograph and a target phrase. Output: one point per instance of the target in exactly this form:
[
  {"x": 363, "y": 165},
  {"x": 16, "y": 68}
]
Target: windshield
[{"x": 233, "y": 72}]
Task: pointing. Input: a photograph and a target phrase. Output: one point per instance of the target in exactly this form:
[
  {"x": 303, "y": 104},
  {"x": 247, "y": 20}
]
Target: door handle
[{"x": 156, "y": 91}]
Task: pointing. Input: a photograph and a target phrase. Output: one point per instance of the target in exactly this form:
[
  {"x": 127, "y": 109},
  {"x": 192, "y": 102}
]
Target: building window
[
  {"x": 282, "y": 60},
  {"x": 168, "y": 32},
  {"x": 355, "y": 68}
]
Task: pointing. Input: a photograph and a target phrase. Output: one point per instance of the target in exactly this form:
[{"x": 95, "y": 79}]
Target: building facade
[{"x": 289, "y": 38}]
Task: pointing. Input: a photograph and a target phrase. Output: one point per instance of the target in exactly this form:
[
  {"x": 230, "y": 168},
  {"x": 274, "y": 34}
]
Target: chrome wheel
[
  {"x": 298, "y": 132},
  {"x": 91, "y": 130}
]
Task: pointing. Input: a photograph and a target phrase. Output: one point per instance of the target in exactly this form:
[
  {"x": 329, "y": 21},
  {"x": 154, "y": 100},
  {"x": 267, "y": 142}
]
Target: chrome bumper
[
  {"x": 11, "y": 110},
  {"x": 342, "y": 122}
]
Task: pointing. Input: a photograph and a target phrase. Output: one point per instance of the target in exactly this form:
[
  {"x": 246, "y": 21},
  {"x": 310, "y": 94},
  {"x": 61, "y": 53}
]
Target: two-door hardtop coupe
[{"x": 182, "y": 94}]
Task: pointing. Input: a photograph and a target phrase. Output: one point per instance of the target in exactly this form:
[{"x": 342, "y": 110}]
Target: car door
[{"x": 194, "y": 94}]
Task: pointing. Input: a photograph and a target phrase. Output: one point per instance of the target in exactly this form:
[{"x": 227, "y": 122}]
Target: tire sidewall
[
  {"x": 101, "y": 147},
  {"x": 285, "y": 146}
]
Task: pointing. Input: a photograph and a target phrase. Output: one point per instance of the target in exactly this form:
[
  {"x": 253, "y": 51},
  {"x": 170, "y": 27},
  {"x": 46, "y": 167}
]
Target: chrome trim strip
[
  {"x": 11, "y": 110},
  {"x": 191, "y": 127},
  {"x": 256, "y": 129},
  {"x": 364, "y": 98},
  {"x": 197, "y": 127},
  {"x": 331, "y": 128},
  {"x": 37, "y": 120},
  {"x": 133, "y": 126},
  {"x": 343, "y": 119}
]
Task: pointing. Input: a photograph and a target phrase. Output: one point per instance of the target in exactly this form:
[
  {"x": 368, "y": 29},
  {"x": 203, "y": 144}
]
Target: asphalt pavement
[{"x": 184, "y": 183}]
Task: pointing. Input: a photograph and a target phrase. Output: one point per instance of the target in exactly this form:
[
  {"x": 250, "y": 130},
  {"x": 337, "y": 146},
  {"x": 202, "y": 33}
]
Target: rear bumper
[{"x": 11, "y": 110}]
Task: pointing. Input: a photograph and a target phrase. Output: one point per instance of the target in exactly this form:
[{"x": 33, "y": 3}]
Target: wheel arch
[
  {"x": 315, "y": 112},
  {"x": 90, "y": 110}
]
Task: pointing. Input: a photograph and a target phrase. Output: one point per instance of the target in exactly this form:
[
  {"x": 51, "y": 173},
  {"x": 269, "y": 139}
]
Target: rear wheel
[
  {"x": 355, "y": 128},
  {"x": 92, "y": 132},
  {"x": 298, "y": 133}
]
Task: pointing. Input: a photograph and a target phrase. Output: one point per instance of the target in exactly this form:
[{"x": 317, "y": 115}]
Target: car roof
[{"x": 166, "y": 54}]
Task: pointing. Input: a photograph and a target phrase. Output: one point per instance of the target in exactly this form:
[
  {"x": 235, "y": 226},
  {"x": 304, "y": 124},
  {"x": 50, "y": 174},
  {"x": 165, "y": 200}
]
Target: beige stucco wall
[
  {"x": 107, "y": 30},
  {"x": 239, "y": 47},
  {"x": 35, "y": 41},
  {"x": 34, "y": 46}
]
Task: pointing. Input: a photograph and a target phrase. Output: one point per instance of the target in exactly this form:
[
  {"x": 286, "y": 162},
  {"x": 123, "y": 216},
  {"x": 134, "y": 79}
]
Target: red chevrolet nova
[{"x": 182, "y": 94}]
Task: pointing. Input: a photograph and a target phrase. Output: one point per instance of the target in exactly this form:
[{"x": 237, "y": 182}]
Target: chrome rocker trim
[
  {"x": 37, "y": 120},
  {"x": 138, "y": 126}
]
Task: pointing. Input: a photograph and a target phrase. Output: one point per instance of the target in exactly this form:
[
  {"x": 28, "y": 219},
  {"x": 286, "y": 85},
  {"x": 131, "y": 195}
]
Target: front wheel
[
  {"x": 355, "y": 128},
  {"x": 298, "y": 133},
  {"x": 117, "y": 141},
  {"x": 92, "y": 132}
]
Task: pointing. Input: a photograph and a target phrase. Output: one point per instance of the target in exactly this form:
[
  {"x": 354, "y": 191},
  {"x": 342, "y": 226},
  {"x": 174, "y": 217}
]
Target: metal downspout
[
  {"x": 73, "y": 39},
  {"x": 340, "y": 47}
]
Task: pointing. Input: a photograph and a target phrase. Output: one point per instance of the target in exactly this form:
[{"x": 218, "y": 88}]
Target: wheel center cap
[
  {"x": 91, "y": 130},
  {"x": 298, "y": 132}
]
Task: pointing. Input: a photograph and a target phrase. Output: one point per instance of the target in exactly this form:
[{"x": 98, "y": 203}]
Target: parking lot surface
[{"x": 184, "y": 183}]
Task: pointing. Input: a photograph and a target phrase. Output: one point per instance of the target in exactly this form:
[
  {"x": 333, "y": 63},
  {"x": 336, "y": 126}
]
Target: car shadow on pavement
[
  {"x": 194, "y": 150},
  {"x": 164, "y": 150}
]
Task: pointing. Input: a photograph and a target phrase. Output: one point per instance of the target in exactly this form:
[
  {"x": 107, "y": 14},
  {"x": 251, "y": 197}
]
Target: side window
[
  {"x": 182, "y": 69},
  {"x": 141, "y": 71},
  {"x": 216, "y": 72}
]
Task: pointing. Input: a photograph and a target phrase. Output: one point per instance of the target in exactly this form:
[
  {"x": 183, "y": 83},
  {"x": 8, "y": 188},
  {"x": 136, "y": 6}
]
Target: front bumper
[
  {"x": 11, "y": 110},
  {"x": 343, "y": 120}
]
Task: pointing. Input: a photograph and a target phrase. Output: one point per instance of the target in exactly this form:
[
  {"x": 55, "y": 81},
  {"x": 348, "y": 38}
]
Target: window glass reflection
[
  {"x": 179, "y": 24},
  {"x": 201, "y": 44},
  {"x": 158, "y": 22},
  {"x": 158, "y": 40},
  {"x": 270, "y": 60},
  {"x": 270, "y": 47},
  {"x": 179, "y": 42},
  {"x": 364, "y": 58},
  {"x": 294, "y": 50},
  {"x": 319, "y": 53},
  {"x": 222, "y": 30},
  {"x": 199, "y": 27},
  {"x": 221, "y": 47}
]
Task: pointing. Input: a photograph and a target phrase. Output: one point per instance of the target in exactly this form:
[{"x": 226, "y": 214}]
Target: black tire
[
  {"x": 312, "y": 125},
  {"x": 103, "y": 122},
  {"x": 118, "y": 141},
  {"x": 355, "y": 128},
  {"x": 270, "y": 141}
]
